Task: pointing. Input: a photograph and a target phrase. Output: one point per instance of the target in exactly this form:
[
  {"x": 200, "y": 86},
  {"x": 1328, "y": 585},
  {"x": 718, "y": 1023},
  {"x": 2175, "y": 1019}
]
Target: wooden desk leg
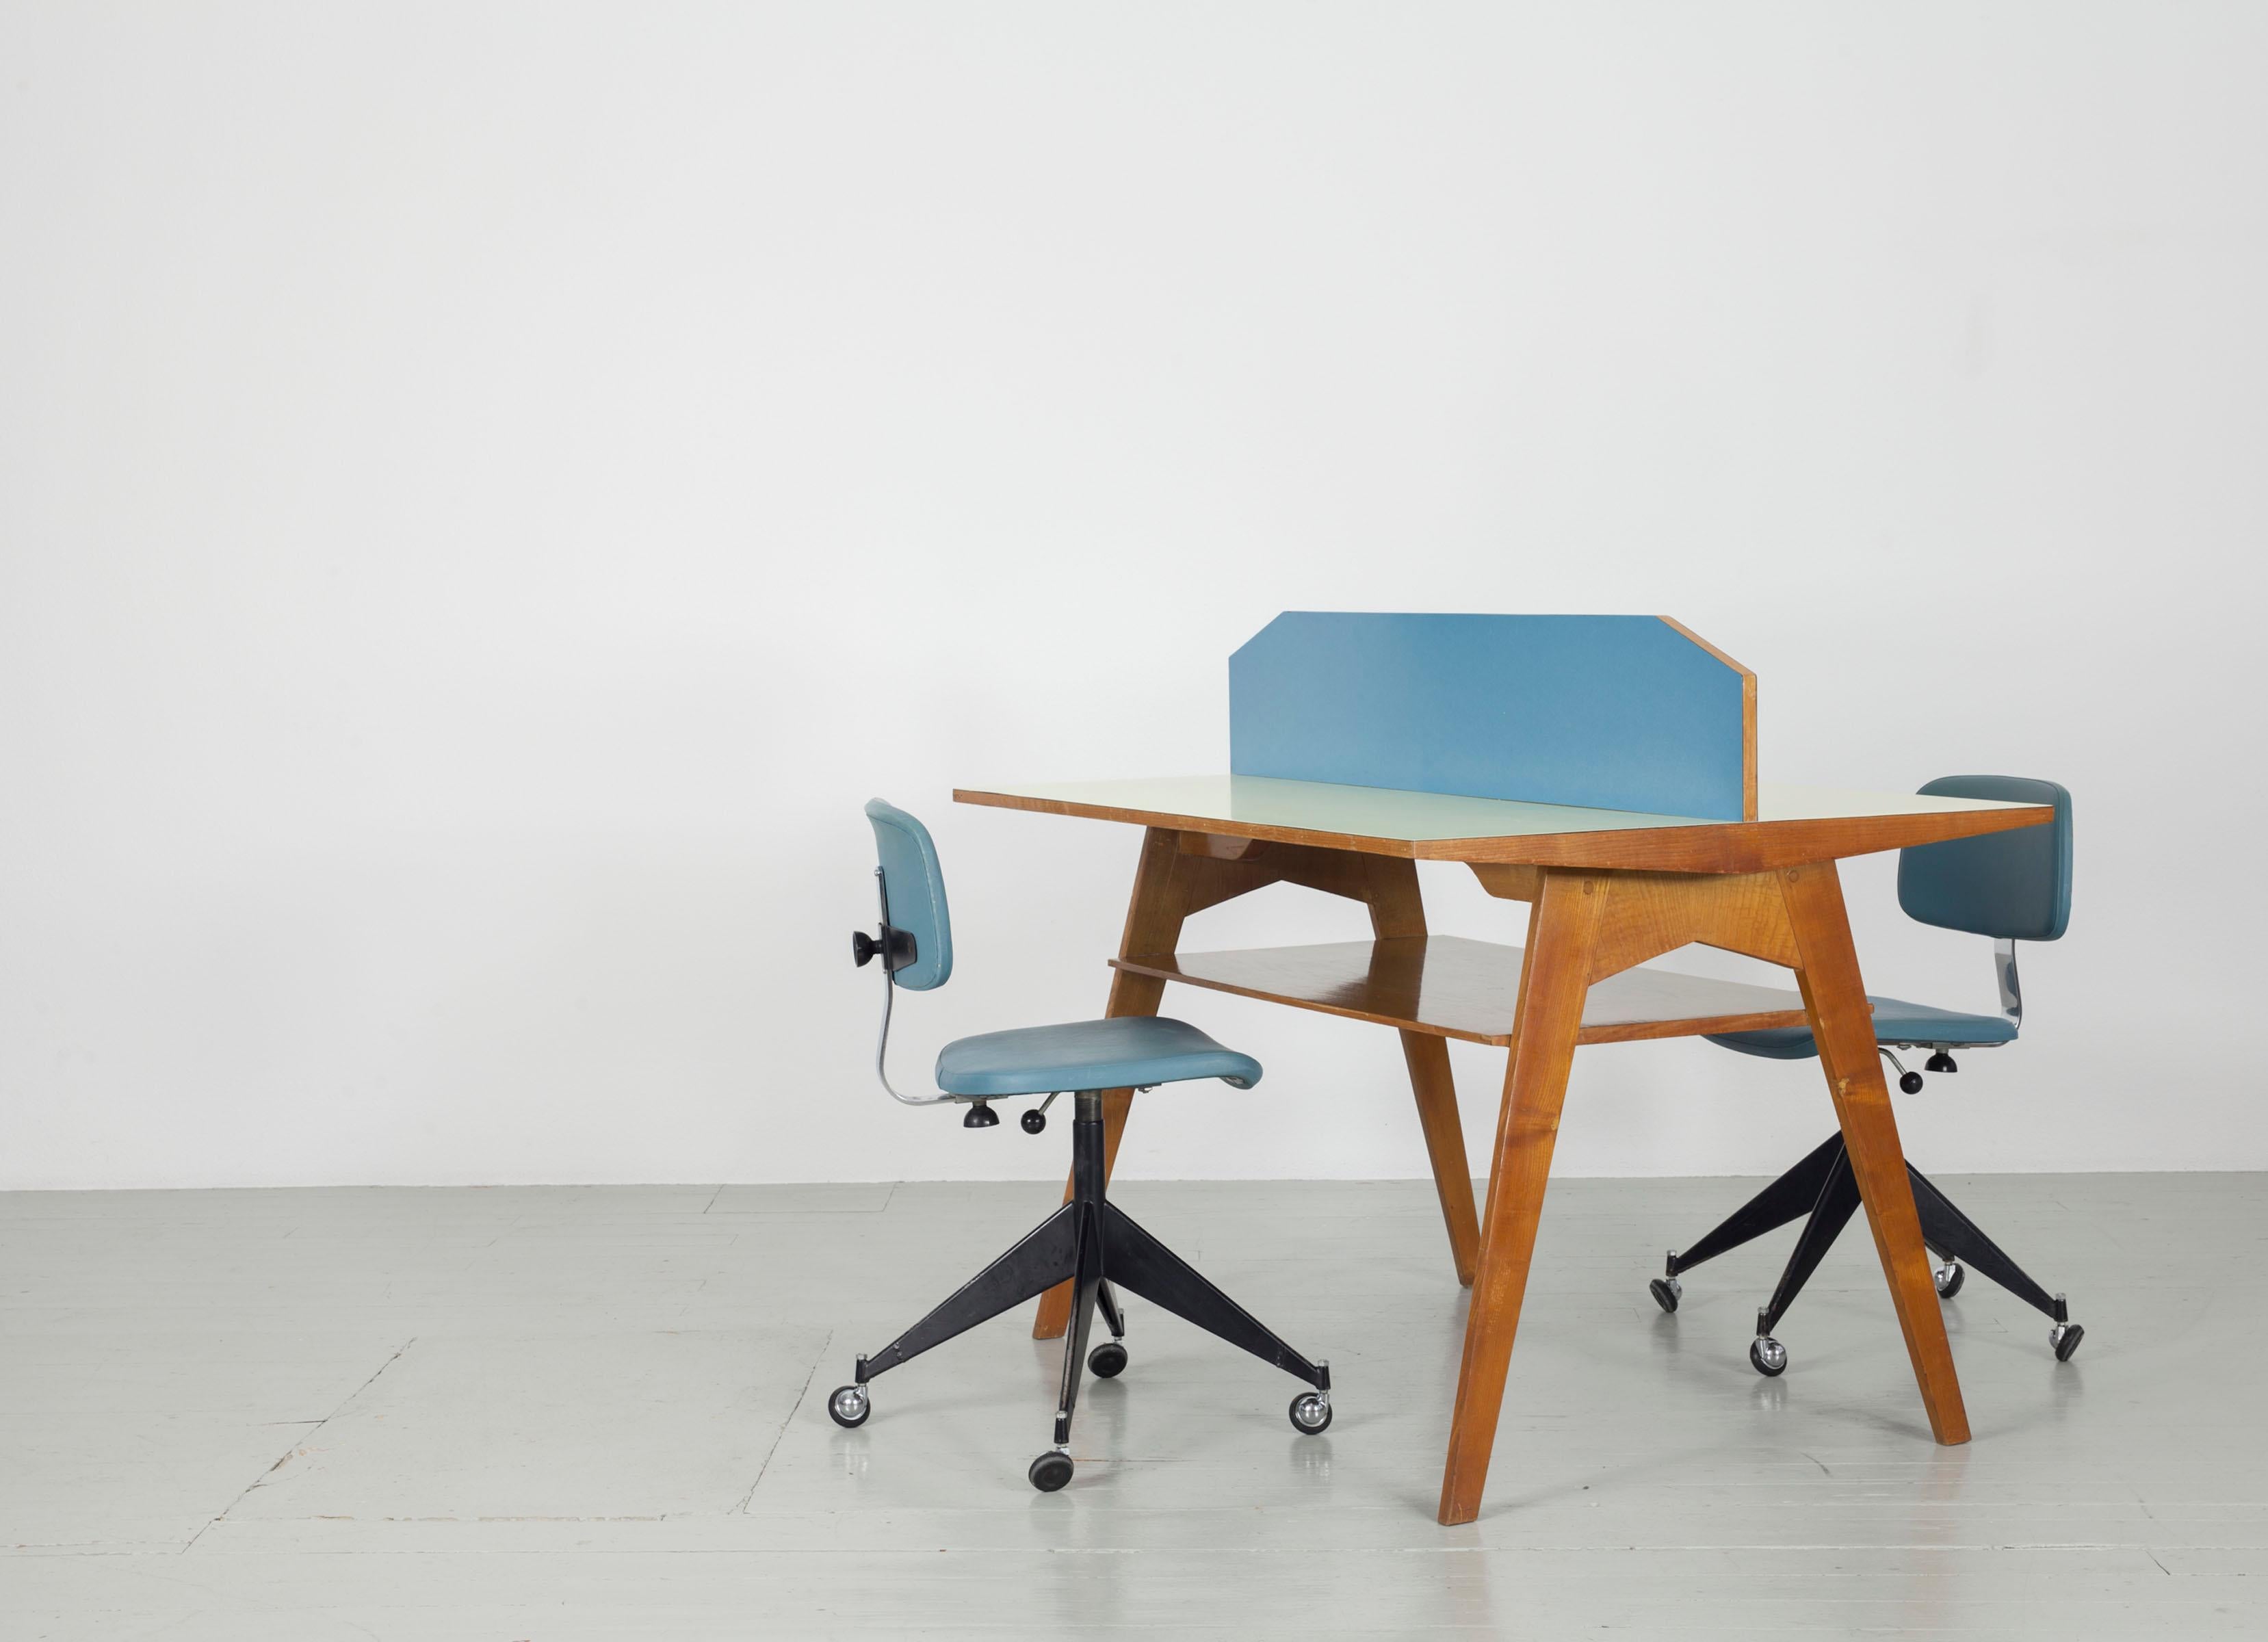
[
  {"x": 1398, "y": 909},
  {"x": 1561, "y": 932},
  {"x": 1430, "y": 1080},
  {"x": 1155, "y": 912},
  {"x": 1836, "y": 998}
]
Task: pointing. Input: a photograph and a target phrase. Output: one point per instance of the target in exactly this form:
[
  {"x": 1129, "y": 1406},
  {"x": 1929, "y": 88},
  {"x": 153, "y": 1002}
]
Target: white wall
[{"x": 487, "y": 492}]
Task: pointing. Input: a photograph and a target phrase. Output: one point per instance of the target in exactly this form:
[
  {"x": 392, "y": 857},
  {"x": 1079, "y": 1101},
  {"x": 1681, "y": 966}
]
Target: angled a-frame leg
[
  {"x": 1587, "y": 925},
  {"x": 1794, "y": 917},
  {"x": 1396, "y": 910},
  {"x": 1555, "y": 976},
  {"x": 1843, "y": 1025}
]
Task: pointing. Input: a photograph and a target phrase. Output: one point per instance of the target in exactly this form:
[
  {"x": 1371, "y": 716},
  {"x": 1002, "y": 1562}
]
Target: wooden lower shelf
[{"x": 1455, "y": 988}]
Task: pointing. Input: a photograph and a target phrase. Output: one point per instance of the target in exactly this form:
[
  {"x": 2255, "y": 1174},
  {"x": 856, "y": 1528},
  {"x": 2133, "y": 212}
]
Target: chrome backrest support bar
[
  {"x": 889, "y": 993},
  {"x": 2004, "y": 970}
]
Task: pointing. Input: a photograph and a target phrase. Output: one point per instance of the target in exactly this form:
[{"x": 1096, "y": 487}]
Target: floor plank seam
[
  {"x": 780, "y": 1436},
  {"x": 299, "y": 1446}
]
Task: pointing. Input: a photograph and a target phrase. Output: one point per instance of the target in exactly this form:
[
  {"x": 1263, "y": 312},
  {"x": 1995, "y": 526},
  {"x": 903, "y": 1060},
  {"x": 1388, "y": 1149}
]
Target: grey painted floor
[{"x": 573, "y": 1413}]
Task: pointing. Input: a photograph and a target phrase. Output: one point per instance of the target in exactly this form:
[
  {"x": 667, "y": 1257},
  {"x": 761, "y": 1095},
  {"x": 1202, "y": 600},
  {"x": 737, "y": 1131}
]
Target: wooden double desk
[{"x": 1606, "y": 888}]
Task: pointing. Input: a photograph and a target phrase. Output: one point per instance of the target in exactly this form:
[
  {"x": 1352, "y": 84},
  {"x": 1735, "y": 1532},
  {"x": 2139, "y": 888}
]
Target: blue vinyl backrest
[
  {"x": 915, "y": 884},
  {"x": 2011, "y": 886},
  {"x": 1624, "y": 712}
]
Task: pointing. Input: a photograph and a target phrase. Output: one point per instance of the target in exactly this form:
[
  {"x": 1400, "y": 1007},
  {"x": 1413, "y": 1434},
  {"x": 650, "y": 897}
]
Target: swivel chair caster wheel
[
  {"x": 1051, "y": 1470},
  {"x": 2066, "y": 1336},
  {"x": 1949, "y": 1277},
  {"x": 1311, "y": 1413},
  {"x": 1911, "y": 1083},
  {"x": 1667, "y": 1293},
  {"x": 848, "y": 1406},
  {"x": 1106, "y": 1359},
  {"x": 1768, "y": 1355}
]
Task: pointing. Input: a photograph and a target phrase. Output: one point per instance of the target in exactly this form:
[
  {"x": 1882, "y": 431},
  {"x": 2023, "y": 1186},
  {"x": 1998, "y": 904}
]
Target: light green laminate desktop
[{"x": 1427, "y": 826}]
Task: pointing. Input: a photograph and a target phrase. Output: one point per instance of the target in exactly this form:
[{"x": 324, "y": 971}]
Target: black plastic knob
[
  {"x": 1911, "y": 1083},
  {"x": 895, "y": 947},
  {"x": 1033, "y": 1121},
  {"x": 1940, "y": 1062},
  {"x": 981, "y": 1116}
]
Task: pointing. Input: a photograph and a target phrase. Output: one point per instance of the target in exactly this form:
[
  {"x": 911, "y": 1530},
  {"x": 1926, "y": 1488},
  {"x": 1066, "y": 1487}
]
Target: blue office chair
[
  {"x": 1088, "y": 1241},
  {"x": 2011, "y": 885}
]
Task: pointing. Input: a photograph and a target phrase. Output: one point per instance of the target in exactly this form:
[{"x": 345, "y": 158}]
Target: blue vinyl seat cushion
[
  {"x": 1131, "y": 1052},
  {"x": 1895, "y": 1021}
]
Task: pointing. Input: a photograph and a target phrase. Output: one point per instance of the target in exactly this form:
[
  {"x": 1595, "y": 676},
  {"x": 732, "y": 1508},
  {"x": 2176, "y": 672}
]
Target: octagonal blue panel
[{"x": 1621, "y": 712}]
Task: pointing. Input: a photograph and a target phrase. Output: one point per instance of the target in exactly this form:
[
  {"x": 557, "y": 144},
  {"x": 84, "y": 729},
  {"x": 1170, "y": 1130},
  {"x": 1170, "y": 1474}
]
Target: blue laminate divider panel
[{"x": 1623, "y": 713}]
